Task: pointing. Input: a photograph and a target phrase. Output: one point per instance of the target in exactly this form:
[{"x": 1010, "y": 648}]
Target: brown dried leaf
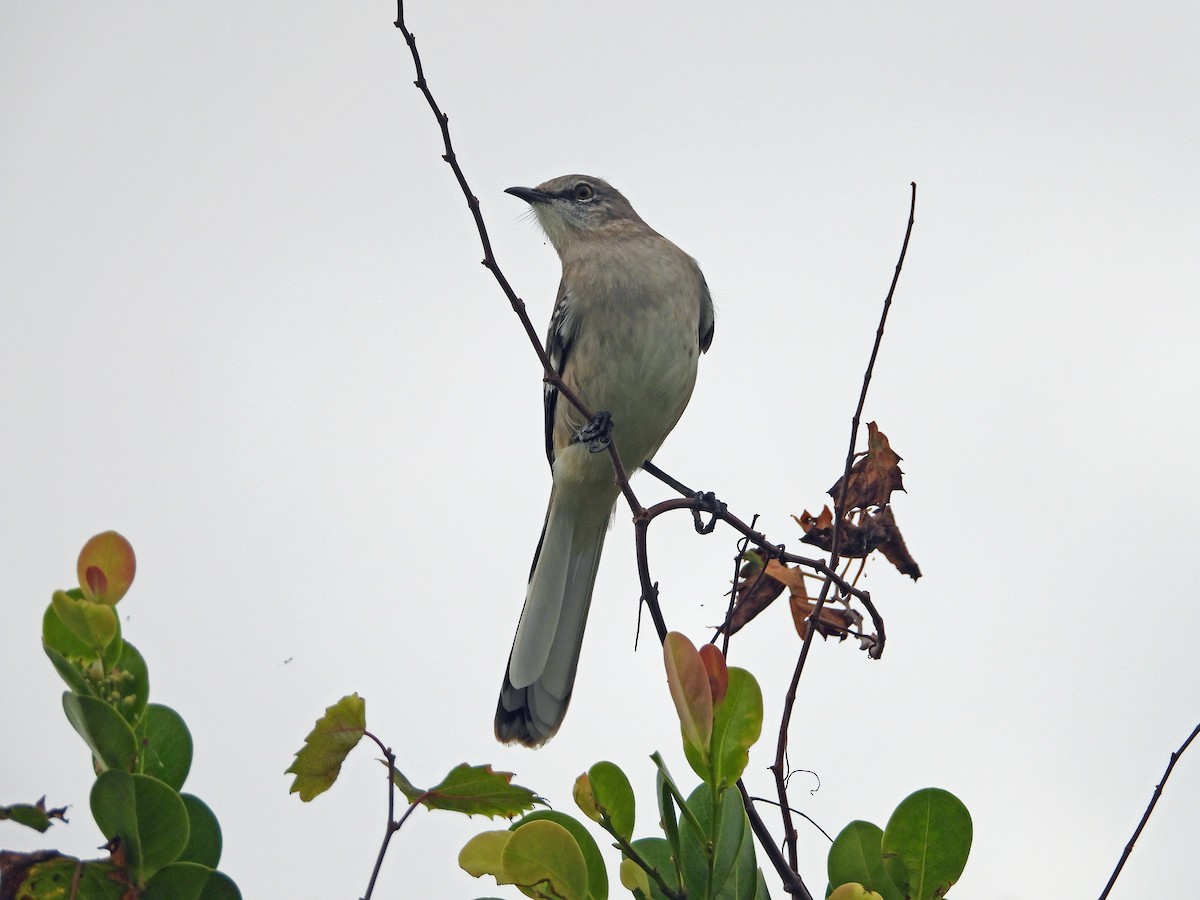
[
  {"x": 832, "y": 621},
  {"x": 754, "y": 592},
  {"x": 818, "y": 531},
  {"x": 875, "y": 530},
  {"x": 874, "y": 477},
  {"x": 888, "y": 540}
]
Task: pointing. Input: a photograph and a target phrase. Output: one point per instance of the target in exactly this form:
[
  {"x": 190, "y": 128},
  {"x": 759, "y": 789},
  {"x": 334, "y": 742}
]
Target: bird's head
[{"x": 574, "y": 209}]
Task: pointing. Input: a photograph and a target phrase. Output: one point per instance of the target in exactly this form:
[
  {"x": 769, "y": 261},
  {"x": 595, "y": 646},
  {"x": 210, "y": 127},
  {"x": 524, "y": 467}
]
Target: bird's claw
[
  {"x": 708, "y": 503},
  {"x": 597, "y": 433}
]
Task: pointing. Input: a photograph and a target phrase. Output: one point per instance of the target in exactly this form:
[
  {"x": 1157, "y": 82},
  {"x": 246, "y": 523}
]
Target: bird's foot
[
  {"x": 707, "y": 502},
  {"x": 597, "y": 433}
]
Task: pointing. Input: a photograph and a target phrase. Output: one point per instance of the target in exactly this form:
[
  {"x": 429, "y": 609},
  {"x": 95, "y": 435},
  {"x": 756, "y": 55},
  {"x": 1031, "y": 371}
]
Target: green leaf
[
  {"x": 178, "y": 881},
  {"x": 852, "y": 890},
  {"x": 926, "y": 843},
  {"x": 70, "y": 672},
  {"x": 687, "y": 679},
  {"x": 129, "y": 683},
  {"x": 613, "y": 795},
  {"x": 56, "y": 635},
  {"x": 543, "y": 856},
  {"x": 597, "y": 887},
  {"x": 728, "y": 844},
  {"x": 93, "y": 623},
  {"x": 204, "y": 833},
  {"x": 33, "y": 815},
  {"x": 761, "y": 892},
  {"x": 166, "y": 745},
  {"x": 855, "y": 857},
  {"x": 148, "y": 817},
  {"x": 657, "y": 854},
  {"x": 190, "y": 881},
  {"x": 737, "y": 725},
  {"x": 666, "y": 811},
  {"x": 109, "y": 736},
  {"x": 474, "y": 790},
  {"x": 220, "y": 887},
  {"x": 667, "y": 783},
  {"x": 336, "y": 733},
  {"x": 54, "y": 878},
  {"x": 484, "y": 855}
]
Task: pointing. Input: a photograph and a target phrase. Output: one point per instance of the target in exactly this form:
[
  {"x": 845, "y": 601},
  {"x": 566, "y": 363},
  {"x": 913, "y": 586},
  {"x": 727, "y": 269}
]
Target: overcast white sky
[{"x": 245, "y": 325}]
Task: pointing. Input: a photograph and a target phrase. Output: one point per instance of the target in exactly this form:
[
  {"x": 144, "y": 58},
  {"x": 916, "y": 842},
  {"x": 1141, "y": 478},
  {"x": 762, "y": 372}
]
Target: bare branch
[
  {"x": 839, "y": 507},
  {"x": 1149, "y": 809}
]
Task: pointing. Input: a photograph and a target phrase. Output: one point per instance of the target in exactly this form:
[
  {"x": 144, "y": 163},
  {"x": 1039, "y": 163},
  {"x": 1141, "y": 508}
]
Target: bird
[{"x": 632, "y": 316}]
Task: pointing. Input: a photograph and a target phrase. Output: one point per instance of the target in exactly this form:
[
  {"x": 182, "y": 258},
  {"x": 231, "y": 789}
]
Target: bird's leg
[
  {"x": 597, "y": 433},
  {"x": 708, "y": 503}
]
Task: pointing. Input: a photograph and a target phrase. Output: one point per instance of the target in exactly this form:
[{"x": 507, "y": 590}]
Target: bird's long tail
[{"x": 545, "y": 651}]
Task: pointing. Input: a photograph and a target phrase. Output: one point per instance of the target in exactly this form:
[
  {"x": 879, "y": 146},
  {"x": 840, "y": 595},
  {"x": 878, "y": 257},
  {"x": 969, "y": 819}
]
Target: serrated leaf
[
  {"x": 335, "y": 734},
  {"x": 33, "y": 815},
  {"x": 474, "y": 790}
]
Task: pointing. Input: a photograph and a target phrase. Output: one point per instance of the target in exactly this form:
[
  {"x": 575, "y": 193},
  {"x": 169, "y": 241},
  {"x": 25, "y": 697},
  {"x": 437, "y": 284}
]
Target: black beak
[{"x": 529, "y": 195}]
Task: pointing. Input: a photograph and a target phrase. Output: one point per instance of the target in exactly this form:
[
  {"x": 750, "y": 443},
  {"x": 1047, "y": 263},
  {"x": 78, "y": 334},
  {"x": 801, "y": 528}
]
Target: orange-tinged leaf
[
  {"x": 688, "y": 681},
  {"x": 106, "y": 567},
  {"x": 718, "y": 674}
]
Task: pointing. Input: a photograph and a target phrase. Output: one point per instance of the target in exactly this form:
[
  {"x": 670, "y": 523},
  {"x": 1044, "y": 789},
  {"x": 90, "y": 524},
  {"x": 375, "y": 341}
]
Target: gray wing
[
  {"x": 707, "y": 318},
  {"x": 558, "y": 346}
]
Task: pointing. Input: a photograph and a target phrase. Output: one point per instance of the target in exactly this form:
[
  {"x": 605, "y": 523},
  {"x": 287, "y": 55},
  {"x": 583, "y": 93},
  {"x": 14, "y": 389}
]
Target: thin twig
[
  {"x": 777, "y": 767},
  {"x": 792, "y": 882},
  {"x": 392, "y": 824},
  {"x": 1149, "y": 809},
  {"x": 549, "y": 375},
  {"x": 803, "y": 815}
]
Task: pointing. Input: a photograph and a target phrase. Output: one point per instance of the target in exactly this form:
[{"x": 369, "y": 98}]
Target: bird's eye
[{"x": 584, "y": 192}]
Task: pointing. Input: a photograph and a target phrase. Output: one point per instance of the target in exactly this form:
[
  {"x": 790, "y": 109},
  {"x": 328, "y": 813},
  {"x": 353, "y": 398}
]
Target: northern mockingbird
[{"x": 632, "y": 317}]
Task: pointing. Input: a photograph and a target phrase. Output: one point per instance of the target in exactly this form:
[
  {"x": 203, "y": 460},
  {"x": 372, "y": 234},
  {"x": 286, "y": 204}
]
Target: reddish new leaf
[{"x": 106, "y": 567}]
